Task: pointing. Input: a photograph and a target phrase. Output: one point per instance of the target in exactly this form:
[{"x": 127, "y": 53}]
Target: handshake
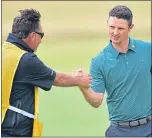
[{"x": 84, "y": 79}]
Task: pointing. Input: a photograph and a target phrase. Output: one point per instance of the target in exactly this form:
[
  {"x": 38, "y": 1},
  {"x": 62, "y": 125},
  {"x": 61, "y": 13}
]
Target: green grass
[{"x": 74, "y": 33}]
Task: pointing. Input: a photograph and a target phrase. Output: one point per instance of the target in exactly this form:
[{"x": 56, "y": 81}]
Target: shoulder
[
  {"x": 142, "y": 43},
  {"x": 28, "y": 56},
  {"x": 143, "y": 47},
  {"x": 31, "y": 60},
  {"x": 98, "y": 58},
  {"x": 102, "y": 55}
]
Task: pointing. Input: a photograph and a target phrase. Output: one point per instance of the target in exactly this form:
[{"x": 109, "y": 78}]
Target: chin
[
  {"x": 35, "y": 50},
  {"x": 116, "y": 41}
]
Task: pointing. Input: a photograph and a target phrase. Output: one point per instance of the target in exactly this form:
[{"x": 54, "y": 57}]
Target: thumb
[{"x": 80, "y": 69}]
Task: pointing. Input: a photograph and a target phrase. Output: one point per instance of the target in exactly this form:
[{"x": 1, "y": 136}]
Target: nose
[{"x": 115, "y": 31}]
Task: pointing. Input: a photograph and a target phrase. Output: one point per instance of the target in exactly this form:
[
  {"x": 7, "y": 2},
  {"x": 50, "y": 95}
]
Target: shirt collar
[
  {"x": 132, "y": 45},
  {"x": 12, "y": 38},
  {"x": 112, "y": 50},
  {"x": 115, "y": 53}
]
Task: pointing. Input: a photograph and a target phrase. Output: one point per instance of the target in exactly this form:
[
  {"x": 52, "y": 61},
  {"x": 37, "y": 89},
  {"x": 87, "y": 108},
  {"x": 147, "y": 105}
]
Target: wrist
[
  {"x": 77, "y": 80},
  {"x": 83, "y": 89}
]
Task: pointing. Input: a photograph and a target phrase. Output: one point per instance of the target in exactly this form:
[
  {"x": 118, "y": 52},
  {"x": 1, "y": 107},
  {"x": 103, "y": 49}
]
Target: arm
[
  {"x": 67, "y": 80},
  {"x": 93, "y": 98},
  {"x": 36, "y": 73}
]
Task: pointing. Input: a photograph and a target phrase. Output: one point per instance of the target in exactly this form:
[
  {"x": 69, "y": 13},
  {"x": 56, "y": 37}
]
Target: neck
[
  {"x": 122, "y": 47},
  {"x": 28, "y": 42}
]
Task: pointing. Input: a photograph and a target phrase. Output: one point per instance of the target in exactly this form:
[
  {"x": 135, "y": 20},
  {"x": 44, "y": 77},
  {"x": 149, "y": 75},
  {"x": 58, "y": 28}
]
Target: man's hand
[
  {"x": 78, "y": 78},
  {"x": 84, "y": 78}
]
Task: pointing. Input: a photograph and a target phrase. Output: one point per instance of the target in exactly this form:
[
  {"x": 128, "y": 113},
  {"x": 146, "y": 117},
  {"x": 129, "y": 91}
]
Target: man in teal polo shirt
[{"x": 123, "y": 70}]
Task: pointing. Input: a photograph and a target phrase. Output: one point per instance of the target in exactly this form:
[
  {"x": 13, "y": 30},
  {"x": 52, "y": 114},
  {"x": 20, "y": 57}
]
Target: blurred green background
[{"x": 75, "y": 31}]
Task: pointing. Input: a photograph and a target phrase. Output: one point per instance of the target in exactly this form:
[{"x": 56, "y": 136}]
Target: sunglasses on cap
[{"x": 39, "y": 33}]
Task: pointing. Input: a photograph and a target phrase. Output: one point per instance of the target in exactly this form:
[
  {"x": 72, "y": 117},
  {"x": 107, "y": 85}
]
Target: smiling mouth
[{"x": 116, "y": 38}]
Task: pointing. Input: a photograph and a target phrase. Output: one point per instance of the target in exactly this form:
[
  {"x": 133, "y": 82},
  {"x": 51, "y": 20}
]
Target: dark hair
[
  {"x": 122, "y": 12},
  {"x": 26, "y": 22}
]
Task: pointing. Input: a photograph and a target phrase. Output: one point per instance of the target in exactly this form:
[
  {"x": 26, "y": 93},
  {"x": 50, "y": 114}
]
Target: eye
[
  {"x": 112, "y": 27},
  {"x": 120, "y": 28}
]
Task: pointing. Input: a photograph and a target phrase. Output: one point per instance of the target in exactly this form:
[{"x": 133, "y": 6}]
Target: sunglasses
[{"x": 39, "y": 33}]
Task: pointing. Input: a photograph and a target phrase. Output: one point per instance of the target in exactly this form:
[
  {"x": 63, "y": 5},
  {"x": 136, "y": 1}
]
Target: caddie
[{"x": 23, "y": 72}]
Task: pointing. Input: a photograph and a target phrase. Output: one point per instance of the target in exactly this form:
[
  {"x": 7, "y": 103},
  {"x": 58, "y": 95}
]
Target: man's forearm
[
  {"x": 94, "y": 99},
  {"x": 66, "y": 80}
]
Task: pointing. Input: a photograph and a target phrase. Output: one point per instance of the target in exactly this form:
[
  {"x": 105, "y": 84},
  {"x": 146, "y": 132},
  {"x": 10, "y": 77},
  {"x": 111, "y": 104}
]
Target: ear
[
  {"x": 130, "y": 28},
  {"x": 32, "y": 36}
]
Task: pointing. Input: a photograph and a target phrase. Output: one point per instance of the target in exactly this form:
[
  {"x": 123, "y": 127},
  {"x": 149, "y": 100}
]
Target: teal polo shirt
[{"x": 126, "y": 78}]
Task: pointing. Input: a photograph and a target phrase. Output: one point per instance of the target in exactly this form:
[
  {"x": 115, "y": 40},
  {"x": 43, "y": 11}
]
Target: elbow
[
  {"x": 95, "y": 105},
  {"x": 58, "y": 80}
]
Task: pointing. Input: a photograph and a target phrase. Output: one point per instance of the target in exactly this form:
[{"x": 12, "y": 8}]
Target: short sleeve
[
  {"x": 31, "y": 70},
  {"x": 98, "y": 82}
]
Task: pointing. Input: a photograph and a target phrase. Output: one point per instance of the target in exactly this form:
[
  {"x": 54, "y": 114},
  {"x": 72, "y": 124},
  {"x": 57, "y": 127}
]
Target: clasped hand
[{"x": 84, "y": 78}]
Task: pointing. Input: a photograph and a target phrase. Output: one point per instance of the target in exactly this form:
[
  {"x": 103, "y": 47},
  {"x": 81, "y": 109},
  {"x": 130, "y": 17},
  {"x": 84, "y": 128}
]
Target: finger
[
  {"x": 79, "y": 74},
  {"x": 80, "y": 69},
  {"x": 74, "y": 71}
]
